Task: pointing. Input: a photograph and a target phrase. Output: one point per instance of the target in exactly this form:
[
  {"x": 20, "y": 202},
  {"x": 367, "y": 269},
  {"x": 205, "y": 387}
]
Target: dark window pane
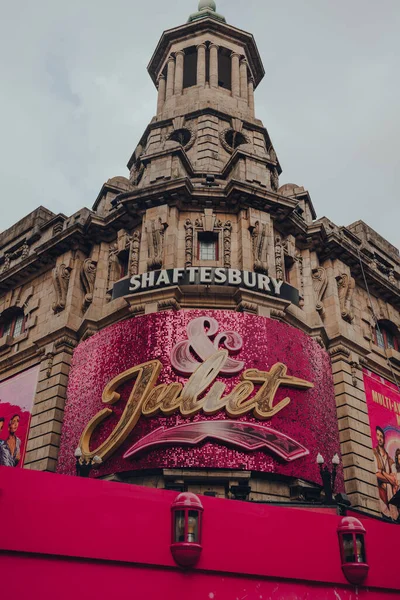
[
  {"x": 19, "y": 322},
  {"x": 390, "y": 339},
  {"x": 7, "y": 327},
  {"x": 179, "y": 526},
  {"x": 224, "y": 70},
  {"x": 348, "y": 548},
  {"x": 379, "y": 338},
  {"x": 190, "y": 67},
  {"x": 360, "y": 548}
]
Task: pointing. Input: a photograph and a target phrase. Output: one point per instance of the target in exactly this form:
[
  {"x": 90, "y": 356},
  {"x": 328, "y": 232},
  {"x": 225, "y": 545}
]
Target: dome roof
[{"x": 207, "y": 4}]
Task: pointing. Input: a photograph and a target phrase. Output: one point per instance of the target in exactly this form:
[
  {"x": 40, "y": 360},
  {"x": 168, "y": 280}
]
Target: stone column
[
  {"x": 251, "y": 96},
  {"x": 201, "y": 65},
  {"x": 243, "y": 79},
  {"x": 214, "y": 65},
  {"x": 179, "y": 57},
  {"x": 170, "y": 77},
  {"x": 161, "y": 94},
  {"x": 235, "y": 75}
]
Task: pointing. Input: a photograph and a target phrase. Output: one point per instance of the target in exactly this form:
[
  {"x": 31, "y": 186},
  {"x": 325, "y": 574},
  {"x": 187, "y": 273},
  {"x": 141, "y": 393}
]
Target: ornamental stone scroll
[
  {"x": 61, "y": 276},
  {"x": 88, "y": 277},
  {"x": 320, "y": 283},
  {"x": 346, "y": 285}
]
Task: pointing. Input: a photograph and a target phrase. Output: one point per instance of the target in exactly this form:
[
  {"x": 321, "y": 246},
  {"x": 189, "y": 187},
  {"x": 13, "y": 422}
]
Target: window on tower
[
  {"x": 225, "y": 69},
  {"x": 190, "y": 67},
  {"x": 207, "y": 246}
]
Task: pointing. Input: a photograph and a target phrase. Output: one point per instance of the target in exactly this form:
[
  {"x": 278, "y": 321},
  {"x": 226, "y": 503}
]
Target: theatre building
[{"x": 207, "y": 371}]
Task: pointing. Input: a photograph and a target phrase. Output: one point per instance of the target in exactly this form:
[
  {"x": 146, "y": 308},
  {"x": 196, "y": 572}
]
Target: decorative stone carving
[
  {"x": 135, "y": 251},
  {"x": 50, "y": 358},
  {"x": 208, "y": 221},
  {"x": 189, "y": 230},
  {"x": 227, "y": 244},
  {"x": 272, "y": 154},
  {"x": 339, "y": 352},
  {"x": 184, "y": 133},
  {"x": 354, "y": 367},
  {"x": 259, "y": 245},
  {"x": 320, "y": 283},
  {"x": 61, "y": 276},
  {"x": 66, "y": 344},
  {"x": 277, "y": 314},
  {"x": 7, "y": 262},
  {"x": 232, "y": 139},
  {"x": 346, "y": 285},
  {"x": 88, "y": 276},
  {"x": 279, "y": 258},
  {"x": 25, "y": 251},
  {"x": 274, "y": 180},
  {"x": 169, "y": 304},
  {"x": 155, "y": 240},
  {"x": 248, "y": 307},
  {"x": 392, "y": 278},
  {"x": 299, "y": 259},
  {"x": 114, "y": 268}
]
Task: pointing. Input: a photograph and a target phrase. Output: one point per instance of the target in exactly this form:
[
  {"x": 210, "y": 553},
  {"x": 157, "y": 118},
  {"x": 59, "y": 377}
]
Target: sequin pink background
[{"x": 310, "y": 418}]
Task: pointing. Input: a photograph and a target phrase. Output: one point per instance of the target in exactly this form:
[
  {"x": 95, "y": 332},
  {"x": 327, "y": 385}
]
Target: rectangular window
[
  {"x": 190, "y": 67},
  {"x": 208, "y": 246},
  {"x": 7, "y": 328},
  {"x": 19, "y": 325},
  {"x": 390, "y": 340},
  {"x": 224, "y": 69},
  {"x": 380, "y": 340}
]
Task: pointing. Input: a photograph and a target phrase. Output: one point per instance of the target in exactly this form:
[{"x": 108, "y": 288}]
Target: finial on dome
[
  {"x": 207, "y": 8},
  {"x": 207, "y": 4}
]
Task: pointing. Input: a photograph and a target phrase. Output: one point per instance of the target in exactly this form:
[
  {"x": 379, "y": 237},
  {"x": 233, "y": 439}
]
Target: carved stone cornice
[{"x": 339, "y": 351}]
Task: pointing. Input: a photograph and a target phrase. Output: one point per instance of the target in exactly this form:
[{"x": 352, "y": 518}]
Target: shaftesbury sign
[
  {"x": 206, "y": 276},
  {"x": 202, "y": 357}
]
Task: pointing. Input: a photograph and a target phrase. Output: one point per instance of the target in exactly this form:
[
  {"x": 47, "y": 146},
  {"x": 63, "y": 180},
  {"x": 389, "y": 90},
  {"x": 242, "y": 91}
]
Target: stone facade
[{"x": 204, "y": 164}]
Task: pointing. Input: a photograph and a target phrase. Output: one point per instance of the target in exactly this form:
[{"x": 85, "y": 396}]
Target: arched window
[
  {"x": 12, "y": 322},
  {"x": 386, "y": 336}
]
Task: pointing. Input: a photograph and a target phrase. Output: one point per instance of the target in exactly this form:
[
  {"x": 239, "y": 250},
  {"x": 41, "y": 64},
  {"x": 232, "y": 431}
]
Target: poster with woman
[
  {"x": 16, "y": 400},
  {"x": 383, "y": 401}
]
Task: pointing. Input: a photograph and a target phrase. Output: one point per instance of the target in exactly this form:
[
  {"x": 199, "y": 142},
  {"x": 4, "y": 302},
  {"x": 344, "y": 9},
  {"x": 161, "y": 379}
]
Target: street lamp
[
  {"x": 328, "y": 477},
  {"x": 351, "y": 534},
  {"x": 186, "y": 545},
  {"x": 83, "y": 465}
]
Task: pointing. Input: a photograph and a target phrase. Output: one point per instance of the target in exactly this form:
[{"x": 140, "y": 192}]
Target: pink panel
[
  {"x": 98, "y": 520},
  {"x": 46, "y": 579}
]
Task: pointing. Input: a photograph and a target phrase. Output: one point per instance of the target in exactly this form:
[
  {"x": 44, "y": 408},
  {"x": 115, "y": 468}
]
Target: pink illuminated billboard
[
  {"x": 16, "y": 401},
  {"x": 383, "y": 401},
  {"x": 200, "y": 389}
]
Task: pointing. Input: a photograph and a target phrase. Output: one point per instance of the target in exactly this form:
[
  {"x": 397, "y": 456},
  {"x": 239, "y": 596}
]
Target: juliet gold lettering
[{"x": 148, "y": 400}]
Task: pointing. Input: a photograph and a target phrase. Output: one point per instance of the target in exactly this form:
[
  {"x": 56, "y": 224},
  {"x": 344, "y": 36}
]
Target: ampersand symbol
[{"x": 199, "y": 345}]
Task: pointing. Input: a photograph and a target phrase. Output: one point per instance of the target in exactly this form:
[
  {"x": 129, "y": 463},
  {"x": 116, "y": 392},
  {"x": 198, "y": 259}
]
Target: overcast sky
[{"x": 75, "y": 98}]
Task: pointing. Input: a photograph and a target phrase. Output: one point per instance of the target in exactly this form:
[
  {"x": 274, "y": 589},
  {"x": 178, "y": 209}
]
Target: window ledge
[{"x": 393, "y": 356}]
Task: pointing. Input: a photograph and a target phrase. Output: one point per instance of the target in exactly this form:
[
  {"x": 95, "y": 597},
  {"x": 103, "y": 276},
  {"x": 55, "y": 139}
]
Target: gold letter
[{"x": 146, "y": 376}]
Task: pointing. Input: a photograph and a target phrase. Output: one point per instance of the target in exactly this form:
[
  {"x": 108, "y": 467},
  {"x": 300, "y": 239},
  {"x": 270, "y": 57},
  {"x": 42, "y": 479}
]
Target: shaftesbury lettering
[{"x": 206, "y": 276}]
